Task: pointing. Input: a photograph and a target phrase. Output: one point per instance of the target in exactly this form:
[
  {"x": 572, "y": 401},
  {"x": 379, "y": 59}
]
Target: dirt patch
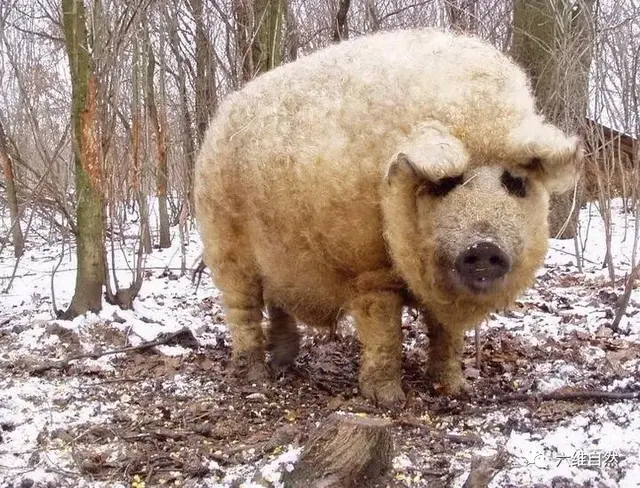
[{"x": 176, "y": 412}]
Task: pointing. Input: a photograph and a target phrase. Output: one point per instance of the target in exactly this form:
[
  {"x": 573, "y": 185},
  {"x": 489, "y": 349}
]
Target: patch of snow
[
  {"x": 553, "y": 376},
  {"x": 272, "y": 471},
  {"x": 401, "y": 462},
  {"x": 630, "y": 478},
  {"x": 30, "y": 406},
  {"x": 578, "y": 450},
  {"x": 621, "y": 384}
]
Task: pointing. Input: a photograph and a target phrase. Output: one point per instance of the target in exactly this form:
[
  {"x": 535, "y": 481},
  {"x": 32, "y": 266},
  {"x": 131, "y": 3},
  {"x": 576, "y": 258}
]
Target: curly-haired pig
[{"x": 405, "y": 168}]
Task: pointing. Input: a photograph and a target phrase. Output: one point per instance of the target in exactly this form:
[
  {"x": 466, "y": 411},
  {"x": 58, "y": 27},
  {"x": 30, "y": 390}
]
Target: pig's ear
[
  {"x": 401, "y": 167},
  {"x": 430, "y": 153},
  {"x": 549, "y": 153}
]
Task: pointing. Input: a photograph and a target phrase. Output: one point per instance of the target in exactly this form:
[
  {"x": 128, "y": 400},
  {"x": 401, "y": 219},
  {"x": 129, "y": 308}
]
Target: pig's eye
[
  {"x": 534, "y": 164},
  {"x": 443, "y": 186},
  {"x": 514, "y": 185}
]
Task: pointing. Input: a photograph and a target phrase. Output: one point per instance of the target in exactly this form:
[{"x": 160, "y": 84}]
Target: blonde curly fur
[{"x": 309, "y": 201}]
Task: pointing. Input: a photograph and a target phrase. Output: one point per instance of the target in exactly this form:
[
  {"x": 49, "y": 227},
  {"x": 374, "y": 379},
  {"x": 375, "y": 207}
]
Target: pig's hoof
[
  {"x": 451, "y": 384},
  {"x": 251, "y": 367},
  {"x": 258, "y": 373},
  {"x": 284, "y": 352},
  {"x": 386, "y": 394}
]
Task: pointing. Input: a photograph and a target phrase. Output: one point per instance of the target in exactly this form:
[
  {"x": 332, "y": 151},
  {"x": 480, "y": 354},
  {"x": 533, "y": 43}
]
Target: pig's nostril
[
  {"x": 482, "y": 264},
  {"x": 471, "y": 259}
]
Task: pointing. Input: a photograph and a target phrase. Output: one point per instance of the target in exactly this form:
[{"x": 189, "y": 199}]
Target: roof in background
[{"x": 625, "y": 141}]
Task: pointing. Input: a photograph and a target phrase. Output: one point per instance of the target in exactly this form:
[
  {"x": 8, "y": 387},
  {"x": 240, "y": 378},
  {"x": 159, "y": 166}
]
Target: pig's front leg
[
  {"x": 378, "y": 321},
  {"x": 445, "y": 356}
]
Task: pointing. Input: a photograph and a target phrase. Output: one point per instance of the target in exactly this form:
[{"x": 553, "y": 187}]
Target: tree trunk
[
  {"x": 205, "y": 83},
  {"x": 138, "y": 187},
  {"x": 188, "y": 147},
  {"x": 158, "y": 121},
  {"x": 88, "y": 166},
  {"x": 270, "y": 15},
  {"x": 259, "y": 35},
  {"x": 205, "y": 92},
  {"x": 12, "y": 196},
  {"x": 462, "y": 15},
  {"x": 552, "y": 41},
  {"x": 244, "y": 34},
  {"x": 292, "y": 37},
  {"x": 340, "y": 24}
]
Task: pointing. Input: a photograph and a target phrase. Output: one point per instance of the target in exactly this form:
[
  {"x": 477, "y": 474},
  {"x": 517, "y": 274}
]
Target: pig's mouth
[{"x": 476, "y": 286}]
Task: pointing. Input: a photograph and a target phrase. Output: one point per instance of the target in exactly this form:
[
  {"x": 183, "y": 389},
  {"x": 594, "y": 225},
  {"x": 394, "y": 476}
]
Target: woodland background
[{"x": 104, "y": 104}]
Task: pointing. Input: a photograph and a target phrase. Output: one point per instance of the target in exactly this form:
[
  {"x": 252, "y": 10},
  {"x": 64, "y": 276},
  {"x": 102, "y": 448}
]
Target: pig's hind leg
[
  {"x": 243, "y": 302},
  {"x": 283, "y": 337}
]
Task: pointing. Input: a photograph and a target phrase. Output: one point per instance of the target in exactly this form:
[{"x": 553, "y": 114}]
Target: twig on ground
[
  {"x": 487, "y": 403},
  {"x": 557, "y": 249},
  {"x": 566, "y": 396},
  {"x": 31, "y": 271},
  {"x": 196, "y": 274},
  {"x": 160, "y": 434},
  {"x": 411, "y": 421},
  {"x": 107, "y": 382},
  {"x": 626, "y": 297},
  {"x": 434, "y": 472},
  {"x": 182, "y": 335}
]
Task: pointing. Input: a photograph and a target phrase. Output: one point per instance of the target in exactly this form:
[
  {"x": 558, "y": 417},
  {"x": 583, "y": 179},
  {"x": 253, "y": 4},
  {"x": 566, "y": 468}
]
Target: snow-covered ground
[{"x": 83, "y": 424}]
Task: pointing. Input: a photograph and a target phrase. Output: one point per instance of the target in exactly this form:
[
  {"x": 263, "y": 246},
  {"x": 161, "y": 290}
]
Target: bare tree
[
  {"x": 205, "y": 82},
  {"x": 136, "y": 163},
  {"x": 12, "y": 196},
  {"x": 259, "y": 35},
  {"x": 552, "y": 40},
  {"x": 341, "y": 26},
  {"x": 463, "y": 14},
  {"x": 158, "y": 119},
  {"x": 292, "y": 37},
  {"x": 88, "y": 166}
]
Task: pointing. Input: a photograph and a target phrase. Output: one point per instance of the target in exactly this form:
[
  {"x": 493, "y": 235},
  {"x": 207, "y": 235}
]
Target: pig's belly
[
  {"x": 309, "y": 261},
  {"x": 307, "y": 279},
  {"x": 305, "y": 287}
]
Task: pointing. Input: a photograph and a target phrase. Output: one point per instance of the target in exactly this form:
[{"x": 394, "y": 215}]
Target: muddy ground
[{"x": 175, "y": 414}]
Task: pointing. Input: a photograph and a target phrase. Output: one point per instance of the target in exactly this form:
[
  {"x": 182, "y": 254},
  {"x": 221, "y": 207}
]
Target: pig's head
[{"x": 467, "y": 232}]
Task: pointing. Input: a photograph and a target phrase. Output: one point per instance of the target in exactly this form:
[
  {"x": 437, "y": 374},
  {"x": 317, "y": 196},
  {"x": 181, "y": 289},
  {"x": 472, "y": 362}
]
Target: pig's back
[{"x": 361, "y": 96}]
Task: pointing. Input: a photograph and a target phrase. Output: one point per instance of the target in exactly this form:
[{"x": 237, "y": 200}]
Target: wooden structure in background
[{"x": 611, "y": 154}]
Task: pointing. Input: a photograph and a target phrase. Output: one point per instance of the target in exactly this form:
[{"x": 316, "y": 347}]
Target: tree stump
[
  {"x": 483, "y": 469},
  {"x": 347, "y": 451}
]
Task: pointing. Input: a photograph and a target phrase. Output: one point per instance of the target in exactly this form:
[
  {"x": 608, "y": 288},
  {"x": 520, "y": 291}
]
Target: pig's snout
[{"x": 481, "y": 266}]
